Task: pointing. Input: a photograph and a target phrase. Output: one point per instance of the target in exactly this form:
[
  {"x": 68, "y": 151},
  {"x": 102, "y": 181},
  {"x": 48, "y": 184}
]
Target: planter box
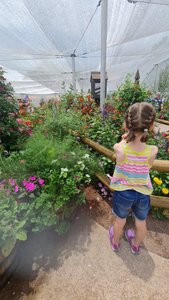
[{"x": 8, "y": 265}]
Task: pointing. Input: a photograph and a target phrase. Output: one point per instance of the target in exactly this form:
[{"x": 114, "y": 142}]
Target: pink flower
[
  {"x": 11, "y": 181},
  {"x": 20, "y": 129},
  {"x": 16, "y": 189},
  {"x": 25, "y": 182},
  {"x": 32, "y": 178},
  {"x": 30, "y": 186},
  {"x": 19, "y": 120},
  {"x": 41, "y": 181}
]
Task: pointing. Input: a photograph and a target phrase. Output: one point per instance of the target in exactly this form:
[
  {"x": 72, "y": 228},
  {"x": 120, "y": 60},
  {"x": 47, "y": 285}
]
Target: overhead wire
[
  {"x": 97, "y": 6},
  {"x": 147, "y": 2}
]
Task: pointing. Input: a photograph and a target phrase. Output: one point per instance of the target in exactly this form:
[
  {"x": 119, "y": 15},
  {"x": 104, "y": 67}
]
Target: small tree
[
  {"x": 127, "y": 94},
  {"x": 8, "y": 113}
]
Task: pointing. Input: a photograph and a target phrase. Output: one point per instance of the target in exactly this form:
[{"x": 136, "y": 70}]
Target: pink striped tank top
[{"x": 133, "y": 172}]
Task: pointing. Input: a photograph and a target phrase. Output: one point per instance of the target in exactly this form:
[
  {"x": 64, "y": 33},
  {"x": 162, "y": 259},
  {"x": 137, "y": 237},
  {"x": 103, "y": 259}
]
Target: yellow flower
[
  {"x": 165, "y": 191},
  {"x": 157, "y": 180}
]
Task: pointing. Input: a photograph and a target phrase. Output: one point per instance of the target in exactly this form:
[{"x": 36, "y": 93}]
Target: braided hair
[{"x": 139, "y": 118}]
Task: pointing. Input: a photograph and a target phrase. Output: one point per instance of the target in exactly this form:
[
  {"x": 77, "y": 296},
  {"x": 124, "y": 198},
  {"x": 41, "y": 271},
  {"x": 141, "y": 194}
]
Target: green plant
[
  {"x": 12, "y": 227},
  {"x": 127, "y": 94}
]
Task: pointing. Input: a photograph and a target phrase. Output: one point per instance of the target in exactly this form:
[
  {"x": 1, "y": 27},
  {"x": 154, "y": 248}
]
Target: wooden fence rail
[
  {"x": 159, "y": 165},
  {"x": 162, "y": 121}
]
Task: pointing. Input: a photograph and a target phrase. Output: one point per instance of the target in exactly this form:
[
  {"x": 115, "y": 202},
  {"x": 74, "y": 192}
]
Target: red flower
[{"x": 28, "y": 123}]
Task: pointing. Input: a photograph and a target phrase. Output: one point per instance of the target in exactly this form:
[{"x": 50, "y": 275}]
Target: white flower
[
  {"x": 64, "y": 170},
  {"x": 80, "y": 162},
  {"x": 86, "y": 156},
  {"x": 87, "y": 175}
]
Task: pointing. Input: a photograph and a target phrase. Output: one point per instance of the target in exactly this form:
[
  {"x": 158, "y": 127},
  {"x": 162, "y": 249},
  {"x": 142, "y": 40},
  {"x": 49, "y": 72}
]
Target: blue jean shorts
[{"x": 124, "y": 201}]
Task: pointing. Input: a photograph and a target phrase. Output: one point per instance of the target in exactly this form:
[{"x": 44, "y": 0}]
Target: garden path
[{"x": 81, "y": 266}]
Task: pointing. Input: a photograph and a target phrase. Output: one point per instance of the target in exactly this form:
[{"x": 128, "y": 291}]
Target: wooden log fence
[
  {"x": 159, "y": 165},
  {"x": 162, "y": 121}
]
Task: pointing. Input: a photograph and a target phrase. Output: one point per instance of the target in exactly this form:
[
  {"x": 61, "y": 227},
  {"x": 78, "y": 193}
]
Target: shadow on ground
[{"x": 43, "y": 251}]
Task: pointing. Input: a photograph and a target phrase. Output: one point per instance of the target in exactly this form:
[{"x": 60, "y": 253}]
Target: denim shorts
[{"x": 124, "y": 201}]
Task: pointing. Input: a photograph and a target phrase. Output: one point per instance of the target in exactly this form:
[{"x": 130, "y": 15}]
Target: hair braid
[{"x": 139, "y": 118}]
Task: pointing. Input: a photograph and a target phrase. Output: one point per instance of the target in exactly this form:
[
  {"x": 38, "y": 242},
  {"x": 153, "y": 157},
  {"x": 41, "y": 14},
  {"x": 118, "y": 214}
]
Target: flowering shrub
[
  {"x": 160, "y": 183},
  {"x": 79, "y": 102}
]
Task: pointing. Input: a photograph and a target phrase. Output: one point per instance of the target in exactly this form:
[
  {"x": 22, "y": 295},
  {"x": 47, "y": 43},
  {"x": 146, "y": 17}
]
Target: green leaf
[
  {"x": 31, "y": 195},
  {"x": 21, "y": 235},
  {"x": 22, "y": 195},
  {"x": 7, "y": 248}
]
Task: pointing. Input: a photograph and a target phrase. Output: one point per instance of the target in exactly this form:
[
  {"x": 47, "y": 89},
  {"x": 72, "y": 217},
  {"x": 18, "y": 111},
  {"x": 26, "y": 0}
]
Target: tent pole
[
  {"x": 73, "y": 73},
  {"x": 104, "y": 9}
]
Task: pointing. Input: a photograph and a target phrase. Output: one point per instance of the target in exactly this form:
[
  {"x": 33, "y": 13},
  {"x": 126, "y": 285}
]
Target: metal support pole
[
  {"x": 73, "y": 72},
  {"x": 155, "y": 80},
  {"x": 104, "y": 9}
]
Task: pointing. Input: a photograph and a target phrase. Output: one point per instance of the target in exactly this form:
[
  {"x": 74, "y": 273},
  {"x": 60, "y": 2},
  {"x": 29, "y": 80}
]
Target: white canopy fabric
[{"x": 38, "y": 37}]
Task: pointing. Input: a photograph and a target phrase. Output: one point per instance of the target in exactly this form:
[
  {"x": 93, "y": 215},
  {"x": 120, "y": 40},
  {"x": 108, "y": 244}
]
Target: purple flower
[
  {"x": 100, "y": 184},
  {"x": 30, "y": 186},
  {"x": 41, "y": 181},
  {"x": 32, "y": 178},
  {"x": 103, "y": 190},
  {"x": 25, "y": 182},
  {"x": 105, "y": 193},
  {"x": 16, "y": 189}
]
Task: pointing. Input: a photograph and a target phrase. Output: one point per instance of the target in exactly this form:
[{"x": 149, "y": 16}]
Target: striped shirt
[{"x": 133, "y": 172}]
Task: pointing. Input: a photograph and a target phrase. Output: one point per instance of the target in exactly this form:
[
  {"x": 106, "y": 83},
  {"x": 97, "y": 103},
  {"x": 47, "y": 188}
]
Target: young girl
[{"x": 131, "y": 180}]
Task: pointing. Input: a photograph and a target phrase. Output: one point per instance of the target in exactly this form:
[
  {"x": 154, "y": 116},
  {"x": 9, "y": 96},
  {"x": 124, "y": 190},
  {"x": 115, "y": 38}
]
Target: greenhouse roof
[{"x": 39, "y": 37}]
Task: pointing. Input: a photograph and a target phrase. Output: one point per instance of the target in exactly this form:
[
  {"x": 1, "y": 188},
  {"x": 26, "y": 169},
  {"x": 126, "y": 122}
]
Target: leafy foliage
[{"x": 11, "y": 227}]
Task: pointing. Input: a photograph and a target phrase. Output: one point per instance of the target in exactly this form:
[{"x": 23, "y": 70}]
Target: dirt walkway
[{"x": 82, "y": 266}]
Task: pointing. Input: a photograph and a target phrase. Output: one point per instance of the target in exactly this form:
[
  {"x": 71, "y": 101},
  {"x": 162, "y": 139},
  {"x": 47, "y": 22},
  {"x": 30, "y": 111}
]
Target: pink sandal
[
  {"x": 114, "y": 246},
  {"x": 130, "y": 235}
]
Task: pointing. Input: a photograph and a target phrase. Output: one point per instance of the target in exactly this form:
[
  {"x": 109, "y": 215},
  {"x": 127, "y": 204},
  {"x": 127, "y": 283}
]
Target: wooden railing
[
  {"x": 159, "y": 165},
  {"x": 163, "y": 121}
]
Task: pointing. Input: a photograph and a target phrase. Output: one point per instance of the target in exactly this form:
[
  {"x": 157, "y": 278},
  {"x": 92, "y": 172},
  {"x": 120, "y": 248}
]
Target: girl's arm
[
  {"x": 118, "y": 149},
  {"x": 153, "y": 155}
]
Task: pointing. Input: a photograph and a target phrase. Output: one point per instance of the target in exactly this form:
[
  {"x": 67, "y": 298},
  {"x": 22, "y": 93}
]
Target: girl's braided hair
[{"x": 139, "y": 118}]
